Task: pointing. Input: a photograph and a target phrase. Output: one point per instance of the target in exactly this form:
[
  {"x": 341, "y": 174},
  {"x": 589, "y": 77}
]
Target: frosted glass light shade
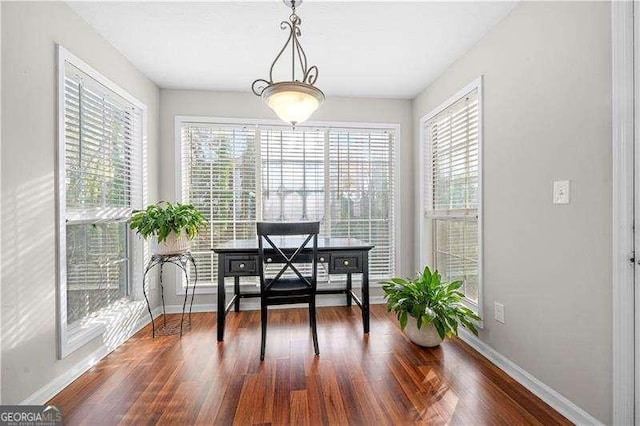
[{"x": 293, "y": 102}]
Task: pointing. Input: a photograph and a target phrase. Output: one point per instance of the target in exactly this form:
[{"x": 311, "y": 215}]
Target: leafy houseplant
[
  {"x": 431, "y": 304},
  {"x": 174, "y": 225}
]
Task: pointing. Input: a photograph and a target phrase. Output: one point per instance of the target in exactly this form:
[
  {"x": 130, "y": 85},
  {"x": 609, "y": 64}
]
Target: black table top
[{"x": 333, "y": 244}]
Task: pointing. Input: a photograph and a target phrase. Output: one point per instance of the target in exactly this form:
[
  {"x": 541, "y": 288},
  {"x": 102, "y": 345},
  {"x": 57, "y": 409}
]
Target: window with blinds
[
  {"x": 361, "y": 192},
  {"x": 292, "y": 169},
  {"x": 103, "y": 183},
  {"x": 239, "y": 174},
  {"x": 219, "y": 178},
  {"x": 452, "y": 190}
]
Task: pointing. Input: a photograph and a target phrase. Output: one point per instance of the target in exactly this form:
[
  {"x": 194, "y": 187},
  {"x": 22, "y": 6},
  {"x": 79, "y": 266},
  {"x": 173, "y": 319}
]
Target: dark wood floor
[{"x": 372, "y": 380}]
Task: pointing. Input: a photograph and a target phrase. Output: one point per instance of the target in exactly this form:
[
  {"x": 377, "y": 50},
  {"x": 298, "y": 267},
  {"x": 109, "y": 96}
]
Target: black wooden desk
[{"x": 239, "y": 258}]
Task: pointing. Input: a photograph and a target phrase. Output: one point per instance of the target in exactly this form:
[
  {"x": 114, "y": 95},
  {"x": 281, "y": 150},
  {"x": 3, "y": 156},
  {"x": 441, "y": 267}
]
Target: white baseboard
[
  {"x": 253, "y": 304},
  {"x": 558, "y": 402},
  {"x": 51, "y": 389}
]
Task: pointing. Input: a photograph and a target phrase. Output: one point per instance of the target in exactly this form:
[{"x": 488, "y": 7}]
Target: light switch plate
[{"x": 561, "y": 191}]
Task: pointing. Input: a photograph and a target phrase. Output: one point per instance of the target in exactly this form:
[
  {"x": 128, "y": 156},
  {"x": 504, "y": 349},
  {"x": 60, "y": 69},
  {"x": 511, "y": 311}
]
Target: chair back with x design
[{"x": 271, "y": 240}]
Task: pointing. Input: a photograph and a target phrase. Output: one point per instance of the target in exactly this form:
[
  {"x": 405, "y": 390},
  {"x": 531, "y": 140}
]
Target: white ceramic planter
[
  {"x": 426, "y": 336},
  {"x": 174, "y": 244}
]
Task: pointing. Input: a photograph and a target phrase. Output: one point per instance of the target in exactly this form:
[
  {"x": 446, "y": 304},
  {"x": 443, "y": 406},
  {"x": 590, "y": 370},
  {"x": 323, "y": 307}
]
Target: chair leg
[
  {"x": 263, "y": 323},
  {"x": 314, "y": 328}
]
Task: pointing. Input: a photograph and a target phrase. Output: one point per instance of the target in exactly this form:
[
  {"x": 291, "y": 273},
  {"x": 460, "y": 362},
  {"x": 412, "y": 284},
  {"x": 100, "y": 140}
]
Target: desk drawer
[
  {"x": 241, "y": 265},
  {"x": 345, "y": 262}
]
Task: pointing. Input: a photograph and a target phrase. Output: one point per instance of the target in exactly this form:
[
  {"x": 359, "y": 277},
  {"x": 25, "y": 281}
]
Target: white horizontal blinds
[
  {"x": 456, "y": 252},
  {"x": 361, "y": 175},
  {"x": 219, "y": 178},
  {"x": 103, "y": 144},
  {"x": 452, "y": 191},
  {"x": 96, "y": 267},
  {"x": 292, "y": 177},
  {"x": 292, "y": 168},
  {"x": 103, "y": 183},
  {"x": 453, "y": 158}
]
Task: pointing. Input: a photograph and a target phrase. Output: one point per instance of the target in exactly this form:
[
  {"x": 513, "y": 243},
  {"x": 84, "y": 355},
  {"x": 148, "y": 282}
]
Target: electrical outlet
[
  {"x": 499, "y": 312},
  {"x": 561, "y": 191}
]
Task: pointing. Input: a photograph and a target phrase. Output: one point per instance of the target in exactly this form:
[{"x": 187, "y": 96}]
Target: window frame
[
  {"x": 226, "y": 121},
  {"x": 424, "y": 227},
  {"x": 73, "y": 338}
]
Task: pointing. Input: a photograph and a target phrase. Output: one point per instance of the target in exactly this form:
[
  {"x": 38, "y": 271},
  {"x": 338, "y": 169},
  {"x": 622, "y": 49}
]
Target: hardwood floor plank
[
  {"x": 181, "y": 408},
  {"x": 229, "y": 404},
  {"x": 347, "y": 393},
  {"x": 371, "y": 412},
  {"x": 282, "y": 391},
  {"x": 212, "y": 402},
  {"x": 252, "y": 390},
  {"x": 380, "y": 378},
  {"x": 332, "y": 399},
  {"x": 317, "y": 411},
  {"x": 297, "y": 375},
  {"x": 299, "y": 414}
]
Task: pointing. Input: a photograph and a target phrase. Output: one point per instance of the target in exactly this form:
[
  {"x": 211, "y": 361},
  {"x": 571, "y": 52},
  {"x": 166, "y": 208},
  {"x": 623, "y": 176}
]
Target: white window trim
[
  {"x": 180, "y": 119},
  {"x": 71, "y": 339},
  {"x": 423, "y": 255}
]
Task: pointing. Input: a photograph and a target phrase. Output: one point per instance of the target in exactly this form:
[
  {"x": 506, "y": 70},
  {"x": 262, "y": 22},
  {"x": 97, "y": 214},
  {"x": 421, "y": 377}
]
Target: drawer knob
[
  {"x": 269, "y": 260},
  {"x": 322, "y": 259},
  {"x": 242, "y": 266},
  {"x": 346, "y": 263}
]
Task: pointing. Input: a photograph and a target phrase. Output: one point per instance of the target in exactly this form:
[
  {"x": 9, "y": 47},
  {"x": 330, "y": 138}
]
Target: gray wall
[
  {"x": 547, "y": 109},
  {"x": 29, "y": 126},
  {"x": 246, "y": 105}
]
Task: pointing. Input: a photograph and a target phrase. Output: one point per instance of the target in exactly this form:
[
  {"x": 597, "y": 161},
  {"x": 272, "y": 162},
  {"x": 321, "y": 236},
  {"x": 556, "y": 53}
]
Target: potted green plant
[
  {"x": 173, "y": 225},
  {"x": 428, "y": 308}
]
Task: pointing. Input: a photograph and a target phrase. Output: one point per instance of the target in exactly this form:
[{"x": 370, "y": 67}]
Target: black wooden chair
[{"x": 299, "y": 287}]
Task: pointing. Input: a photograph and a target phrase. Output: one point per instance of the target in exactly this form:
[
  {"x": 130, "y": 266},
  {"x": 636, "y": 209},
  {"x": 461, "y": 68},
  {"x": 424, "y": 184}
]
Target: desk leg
[
  {"x": 221, "y": 297},
  {"x": 365, "y": 293},
  {"x": 236, "y": 291},
  {"x": 349, "y": 286}
]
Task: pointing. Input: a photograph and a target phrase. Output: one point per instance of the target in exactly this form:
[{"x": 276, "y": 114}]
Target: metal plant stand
[{"x": 181, "y": 260}]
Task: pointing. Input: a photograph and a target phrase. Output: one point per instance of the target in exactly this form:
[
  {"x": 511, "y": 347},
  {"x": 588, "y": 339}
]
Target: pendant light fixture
[{"x": 293, "y": 101}]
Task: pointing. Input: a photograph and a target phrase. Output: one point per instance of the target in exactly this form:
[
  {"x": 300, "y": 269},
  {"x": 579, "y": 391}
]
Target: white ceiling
[{"x": 392, "y": 49}]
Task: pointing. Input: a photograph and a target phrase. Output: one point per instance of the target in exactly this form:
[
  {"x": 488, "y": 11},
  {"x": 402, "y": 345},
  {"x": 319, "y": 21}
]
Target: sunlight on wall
[
  {"x": 28, "y": 277},
  {"x": 28, "y": 262}
]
